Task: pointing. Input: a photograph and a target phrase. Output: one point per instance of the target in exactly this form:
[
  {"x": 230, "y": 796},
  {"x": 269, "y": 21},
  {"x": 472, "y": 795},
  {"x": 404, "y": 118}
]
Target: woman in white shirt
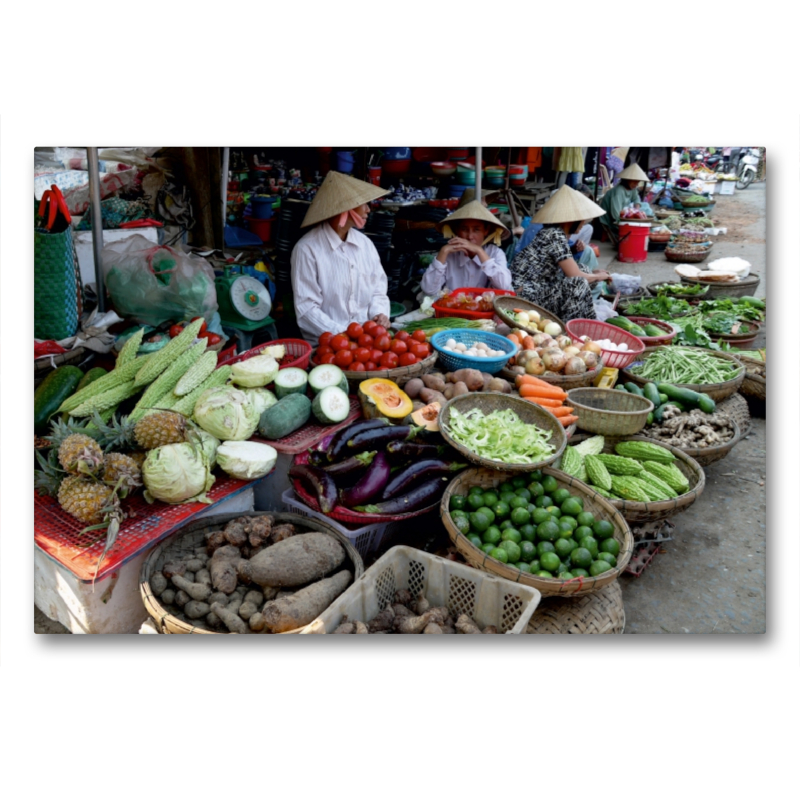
[
  {"x": 337, "y": 275},
  {"x": 472, "y": 257}
]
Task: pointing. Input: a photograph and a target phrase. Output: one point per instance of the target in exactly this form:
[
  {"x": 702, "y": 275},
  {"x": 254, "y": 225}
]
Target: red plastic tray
[
  {"x": 441, "y": 311},
  {"x": 299, "y": 348},
  {"x": 58, "y": 533}
]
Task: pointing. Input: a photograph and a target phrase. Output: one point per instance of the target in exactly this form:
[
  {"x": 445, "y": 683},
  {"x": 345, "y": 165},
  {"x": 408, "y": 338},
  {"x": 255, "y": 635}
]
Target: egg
[{"x": 450, "y": 344}]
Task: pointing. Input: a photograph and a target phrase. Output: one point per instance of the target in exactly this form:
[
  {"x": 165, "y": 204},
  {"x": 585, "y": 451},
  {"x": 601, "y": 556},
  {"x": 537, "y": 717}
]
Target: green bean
[{"x": 681, "y": 365}]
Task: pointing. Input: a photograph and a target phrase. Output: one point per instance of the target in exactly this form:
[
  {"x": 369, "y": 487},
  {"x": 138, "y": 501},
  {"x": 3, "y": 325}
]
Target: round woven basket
[
  {"x": 653, "y": 289},
  {"x": 743, "y": 338},
  {"x": 599, "y": 612},
  {"x": 565, "y": 382},
  {"x": 737, "y": 408},
  {"x": 661, "y": 509},
  {"x": 670, "y": 332},
  {"x": 753, "y": 384},
  {"x": 529, "y": 413},
  {"x": 683, "y": 256},
  {"x": 183, "y": 543},
  {"x": 608, "y": 411},
  {"x": 742, "y": 288},
  {"x": 400, "y": 375},
  {"x": 716, "y": 391},
  {"x": 505, "y": 303},
  {"x": 708, "y": 455},
  {"x": 592, "y": 502}
]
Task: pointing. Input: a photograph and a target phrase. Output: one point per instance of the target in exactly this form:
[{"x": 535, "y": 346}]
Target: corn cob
[
  {"x": 168, "y": 379},
  {"x": 572, "y": 464},
  {"x": 644, "y": 451},
  {"x": 597, "y": 473},
  {"x": 664, "y": 489},
  {"x": 114, "y": 378},
  {"x": 200, "y": 370},
  {"x": 130, "y": 348},
  {"x": 186, "y": 404},
  {"x": 103, "y": 401},
  {"x": 668, "y": 473},
  {"x": 617, "y": 465},
  {"x": 628, "y": 488},
  {"x": 167, "y": 354}
]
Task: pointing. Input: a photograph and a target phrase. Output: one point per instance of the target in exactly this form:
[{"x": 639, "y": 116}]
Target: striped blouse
[{"x": 336, "y": 282}]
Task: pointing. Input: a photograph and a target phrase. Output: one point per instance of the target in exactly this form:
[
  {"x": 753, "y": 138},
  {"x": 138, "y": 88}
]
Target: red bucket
[
  {"x": 633, "y": 241},
  {"x": 260, "y": 227},
  {"x": 375, "y": 175}
]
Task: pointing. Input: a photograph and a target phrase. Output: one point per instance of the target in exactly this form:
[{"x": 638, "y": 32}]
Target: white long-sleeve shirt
[
  {"x": 336, "y": 282},
  {"x": 461, "y": 270}
]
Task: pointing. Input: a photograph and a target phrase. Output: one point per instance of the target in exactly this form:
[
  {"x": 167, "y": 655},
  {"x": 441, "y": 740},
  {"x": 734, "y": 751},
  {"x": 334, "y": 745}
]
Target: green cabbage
[
  {"x": 256, "y": 371},
  {"x": 209, "y": 444},
  {"x": 177, "y": 473},
  {"x": 247, "y": 461},
  {"x": 261, "y": 399},
  {"x": 227, "y": 413}
]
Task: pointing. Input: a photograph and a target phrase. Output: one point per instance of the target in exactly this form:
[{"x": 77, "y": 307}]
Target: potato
[
  {"x": 194, "y": 565},
  {"x": 194, "y": 609},
  {"x": 487, "y": 379},
  {"x": 460, "y": 388},
  {"x": 181, "y": 598},
  {"x": 449, "y": 390},
  {"x": 433, "y": 381},
  {"x": 307, "y": 604},
  {"x": 432, "y": 396},
  {"x": 223, "y": 568},
  {"x": 158, "y": 583},
  {"x": 167, "y": 597},
  {"x": 471, "y": 377},
  {"x": 413, "y": 387},
  {"x": 499, "y": 385}
]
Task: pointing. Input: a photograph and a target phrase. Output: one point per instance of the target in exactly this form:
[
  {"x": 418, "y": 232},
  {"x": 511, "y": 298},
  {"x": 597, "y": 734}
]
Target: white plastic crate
[
  {"x": 365, "y": 540},
  {"x": 489, "y": 600}
]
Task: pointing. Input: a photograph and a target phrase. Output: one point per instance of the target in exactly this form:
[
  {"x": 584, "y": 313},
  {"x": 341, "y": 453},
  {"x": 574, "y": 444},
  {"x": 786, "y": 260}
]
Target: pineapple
[
  {"x": 80, "y": 454},
  {"x": 159, "y": 429},
  {"x": 123, "y": 470},
  {"x": 89, "y": 501},
  {"x": 138, "y": 456}
]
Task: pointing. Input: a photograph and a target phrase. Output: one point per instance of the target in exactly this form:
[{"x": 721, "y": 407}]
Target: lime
[
  {"x": 505, "y": 486},
  {"x": 492, "y": 534},
  {"x": 577, "y": 572},
  {"x": 554, "y": 511},
  {"x": 607, "y": 557},
  {"x": 528, "y": 532},
  {"x": 563, "y": 548},
  {"x": 590, "y": 543},
  {"x": 505, "y": 524},
  {"x": 462, "y": 523},
  {"x": 475, "y": 539},
  {"x": 545, "y": 547},
  {"x": 586, "y": 518},
  {"x": 535, "y": 565},
  {"x": 581, "y": 557},
  {"x": 524, "y": 494},
  {"x": 518, "y": 502},
  {"x": 523, "y": 567},
  {"x": 565, "y": 576},
  {"x": 520, "y": 516},
  {"x": 507, "y": 497},
  {"x": 490, "y": 498},
  {"x": 543, "y": 573},
  {"x": 513, "y": 549},
  {"x": 551, "y": 562},
  {"x": 582, "y": 531},
  {"x": 488, "y": 512},
  {"x": 458, "y": 502},
  {"x": 536, "y": 475},
  {"x": 543, "y": 500},
  {"x": 610, "y": 546},
  {"x": 499, "y": 554},
  {"x": 475, "y": 500},
  {"x": 547, "y": 531},
  {"x": 519, "y": 482},
  {"x": 598, "y": 567},
  {"x": 560, "y": 495},
  {"x": 501, "y": 509},
  {"x": 536, "y": 489},
  {"x": 511, "y": 535},
  {"x": 572, "y": 507},
  {"x": 487, "y": 548},
  {"x": 532, "y": 508},
  {"x": 571, "y": 521},
  {"x": 528, "y": 550},
  {"x": 480, "y": 521},
  {"x": 540, "y": 515},
  {"x": 565, "y": 528},
  {"x": 603, "y": 529},
  {"x": 549, "y": 483}
]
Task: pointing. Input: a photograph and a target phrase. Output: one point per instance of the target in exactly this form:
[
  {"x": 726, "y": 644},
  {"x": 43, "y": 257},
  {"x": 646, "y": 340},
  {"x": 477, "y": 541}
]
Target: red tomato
[
  {"x": 376, "y": 355},
  {"x": 203, "y": 327},
  {"x": 371, "y": 366},
  {"x": 419, "y": 336},
  {"x": 419, "y": 350},
  {"x": 323, "y": 350},
  {"x": 343, "y": 359},
  {"x": 389, "y": 360},
  {"x": 328, "y": 358},
  {"x": 383, "y": 342},
  {"x": 407, "y": 359},
  {"x": 325, "y": 338},
  {"x": 402, "y": 336},
  {"x": 353, "y": 346},
  {"x": 377, "y": 331},
  {"x": 399, "y": 347},
  {"x": 363, "y": 354},
  {"x": 357, "y": 366},
  {"x": 175, "y": 330},
  {"x": 354, "y": 330},
  {"x": 365, "y": 340},
  {"x": 214, "y": 338},
  {"x": 369, "y": 327},
  {"x": 339, "y": 342}
]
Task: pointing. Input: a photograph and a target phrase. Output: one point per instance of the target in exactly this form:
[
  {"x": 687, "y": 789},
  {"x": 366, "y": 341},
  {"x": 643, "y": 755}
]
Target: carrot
[
  {"x": 567, "y": 421},
  {"x": 533, "y": 380},
  {"x": 562, "y": 411},
  {"x": 545, "y": 402},
  {"x": 528, "y": 343},
  {"x": 550, "y": 392},
  {"x": 514, "y": 338}
]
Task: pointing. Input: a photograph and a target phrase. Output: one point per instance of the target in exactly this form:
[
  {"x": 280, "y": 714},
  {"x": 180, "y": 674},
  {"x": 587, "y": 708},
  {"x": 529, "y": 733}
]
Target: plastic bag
[
  {"x": 153, "y": 285},
  {"x": 625, "y": 284},
  {"x": 604, "y": 310}
]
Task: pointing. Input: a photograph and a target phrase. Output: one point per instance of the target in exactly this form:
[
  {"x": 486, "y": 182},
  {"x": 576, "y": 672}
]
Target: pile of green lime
[{"x": 537, "y": 527}]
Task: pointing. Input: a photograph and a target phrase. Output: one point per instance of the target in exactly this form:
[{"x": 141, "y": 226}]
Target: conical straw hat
[
  {"x": 475, "y": 210},
  {"x": 567, "y": 205},
  {"x": 340, "y": 193},
  {"x": 633, "y": 172},
  {"x": 469, "y": 195},
  {"x": 621, "y": 153}
]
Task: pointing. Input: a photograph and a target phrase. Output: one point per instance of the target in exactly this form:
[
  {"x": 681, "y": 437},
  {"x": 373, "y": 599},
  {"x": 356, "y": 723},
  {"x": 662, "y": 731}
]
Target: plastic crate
[
  {"x": 365, "y": 539},
  {"x": 595, "y": 330},
  {"x": 441, "y": 311},
  {"x": 487, "y": 599},
  {"x": 298, "y": 348},
  {"x": 453, "y": 362}
]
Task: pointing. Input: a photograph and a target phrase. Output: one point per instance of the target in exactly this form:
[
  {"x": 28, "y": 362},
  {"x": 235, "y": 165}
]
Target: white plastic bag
[{"x": 604, "y": 310}]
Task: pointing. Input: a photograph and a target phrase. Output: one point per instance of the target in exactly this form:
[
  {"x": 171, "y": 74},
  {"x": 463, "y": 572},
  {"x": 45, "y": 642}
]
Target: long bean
[{"x": 682, "y": 365}]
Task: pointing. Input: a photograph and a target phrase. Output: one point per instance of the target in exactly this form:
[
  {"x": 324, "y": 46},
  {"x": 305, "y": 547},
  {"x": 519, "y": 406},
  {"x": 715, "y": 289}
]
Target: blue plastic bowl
[{"x": 453, "y": 362}]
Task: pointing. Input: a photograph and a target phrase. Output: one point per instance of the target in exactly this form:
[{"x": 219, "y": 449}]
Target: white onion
[
  {"x": 554, "y": 359},
  {"x": 552, "y": 328},
  {"x": 574, "y": 366},
  {"x": 563, "y": 341}
]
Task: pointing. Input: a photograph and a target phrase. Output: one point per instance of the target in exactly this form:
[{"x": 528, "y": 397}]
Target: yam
[
  {"x": 213, "y": 621},
  {"x": 259, "y": 529},
  {"x": 173, "y": 568},
  {"x": 194, "y": 565},
  {"x": 432, "y": 396},
  {"x": 382, "y": 622},
  {"x": 403, "y": 597},
  {"x": 307, "y": 604},
  {"x": 460, "y": 388},
  {"x": 203, "y": 576},
  {"x": 217, "y": 597},
  {"x": 432, "y": 627},
  {"x": 214, "y": 541},
  {"x": 200, "y": 555},
  {"x": 301, "y": 559},
  {"x": 412, "y": 387},
  {"x": 195, "y": 609},
  {"x": 167, "y": 597},
  {"x": 254, "y": 597},
  {"x": 433, "y": 380},
  {"x": 181, "y": 598},
  {"x": 465, "y": 624},
  {"x": 412, "y": 624},
  {"x": 257, "y": 622},
  {"x": 235, "y": 533},
  {"x": 281, "y": 532},
  {"x": 489, "y": 629},
  {"x": 401, "y": 611},
  {"x": 234, "y": 603},
  {"x": 197, "y": 591},
  {"x": 223, "y": 568},
  {"x": 246, "y": 610},
  {"x": 422, "y": 604},
  {"x": 158, "y": 583},
  {"x": 188, "y": 576},
  {"x": 361, "y": 627},
  {"x": 345, "y": 626},
  {"x": 232, "y": 621}
]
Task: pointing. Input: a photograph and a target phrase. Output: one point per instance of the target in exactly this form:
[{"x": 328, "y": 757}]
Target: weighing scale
[{"x": 244, "y": 305}]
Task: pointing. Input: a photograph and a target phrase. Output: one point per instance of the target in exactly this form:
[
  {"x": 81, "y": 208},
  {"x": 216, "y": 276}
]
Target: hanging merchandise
[{"x": 174, "y": 206}]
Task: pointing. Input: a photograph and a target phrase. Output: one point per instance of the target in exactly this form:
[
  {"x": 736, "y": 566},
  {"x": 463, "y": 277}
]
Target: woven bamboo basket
[
  {"x": 737, "y": 408},
  {"x": 565, "y": 382},
  {"x": 608, "y": 411},
  {"x": 686, "y": 256},
  {"x": 184, "y": 541},
  {"x": 529, "y": 413},
  {"x": 746, "y": 335},
  {"x": 400, "y": 375},
  {"x": 592, "y": 502},
  {"x": 716, "y": 391},
  {"x": 742, "y": 288},
  {"x": 754, "y": 384},
  {"x": 503, "y": 303},
  {"x": 599, "y": 612},
  {"x": 662, "y": 509},
  {"x": 708, "y": 455}
]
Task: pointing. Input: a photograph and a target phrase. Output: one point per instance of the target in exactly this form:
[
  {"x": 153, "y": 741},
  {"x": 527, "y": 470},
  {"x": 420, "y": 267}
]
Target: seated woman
[
  {"x": 545, "y": 272},
  {"x": 472, "y": 257},
  {"x": 578, "y": 241},
  {"x": 623, "y": 194}
]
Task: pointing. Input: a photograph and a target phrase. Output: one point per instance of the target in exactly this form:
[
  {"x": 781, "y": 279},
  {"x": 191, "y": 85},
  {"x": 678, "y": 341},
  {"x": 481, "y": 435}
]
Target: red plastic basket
[
  {"x": 299, "y": 349},
  {"x": 595, "y": 329},
  {"x": 441, "y": 311},
  {"x": 670, "y": 332}
]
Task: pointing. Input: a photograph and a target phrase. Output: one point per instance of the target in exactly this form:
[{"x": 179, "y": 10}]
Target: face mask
[{"x": 358, "y": 221}]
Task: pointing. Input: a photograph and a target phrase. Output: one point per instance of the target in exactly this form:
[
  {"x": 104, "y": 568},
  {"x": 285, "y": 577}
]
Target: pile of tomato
[{"x": 369, "y": 346}]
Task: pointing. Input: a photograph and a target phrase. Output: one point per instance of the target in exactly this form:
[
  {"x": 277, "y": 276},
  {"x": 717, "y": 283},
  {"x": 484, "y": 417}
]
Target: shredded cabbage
[{"x": 500, "y": 436}]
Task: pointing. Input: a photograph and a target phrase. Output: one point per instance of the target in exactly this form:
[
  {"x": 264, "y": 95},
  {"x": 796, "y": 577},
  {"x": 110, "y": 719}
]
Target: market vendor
[
  {"x": 623, "y": 194},
  {"x": 545, "y": 272},
  {"x": 472, "y": 256},
  {"x": 337, "y": 275},
  {"x": 578, "y": 241}
]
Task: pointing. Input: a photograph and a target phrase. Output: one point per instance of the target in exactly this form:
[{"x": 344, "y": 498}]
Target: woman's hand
[
  {"x": 465, "y": 246},
  {"x": 579, "y": 246},
  {"x": 381, "y": 319},
  {"x": 600, "y": 275}
]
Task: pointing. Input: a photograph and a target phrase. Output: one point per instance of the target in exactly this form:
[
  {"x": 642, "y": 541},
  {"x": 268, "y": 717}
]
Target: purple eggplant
[
  {"x": 317, "y": 458},
  {"x": 370, "y": 485},
  {"x": 352, "y": 464},
  {"x": 337, "y": 447},
  {"x": 402, "y": 451},
  {"x": 378, "y": 438},
  {"x": 323, "y": 485},
  {"x": 424, "y": 495},
  {"x": 402, "y": 481}
]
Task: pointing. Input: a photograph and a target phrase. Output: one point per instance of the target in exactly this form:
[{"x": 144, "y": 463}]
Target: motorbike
[{"x": 748, "y": 168}]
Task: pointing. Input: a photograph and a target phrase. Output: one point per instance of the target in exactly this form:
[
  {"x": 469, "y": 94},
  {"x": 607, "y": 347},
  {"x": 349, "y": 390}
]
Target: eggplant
[
  {"x": 338, "y": 445},
  {"x": 401, "y": 450},
  {"x": 370, "y": 485},
  {"x": 317, "y": 458},
  {"x": 378, "y": 438},
  {"x": 319, "y": 480},
  {"x": 352, "y": 464},
  {"x": 402, "y": 481},
  {"x": 424, "y": 495}
]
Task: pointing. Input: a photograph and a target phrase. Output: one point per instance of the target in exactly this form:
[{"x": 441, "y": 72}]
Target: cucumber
[
  {"x": 756, "y": 302},
  {"x": 331, "y": 405},
  {"x": 653, "y": 330},
  {"x": 621, "y": 322},
  {"x": 706, "y": 404},
  {"x": 651, "y": 393},
  {"x": 285, "y": 417},
  {"x": 51, "y": 393},
  {"x": 636, "y": 330},
  {"x": 634, "y": 389},
  {"x": 621, "y": 388},
  {"x": 92, "y": 375},
  {"x": 687, "y": 397},
  {"x": 662, "y": 398},
  {"x": 658, "y": 414},
  {"x": 650, "y": 418},
  {"x": 327, "y": 375},
  {"x": 290, "y": 381}
]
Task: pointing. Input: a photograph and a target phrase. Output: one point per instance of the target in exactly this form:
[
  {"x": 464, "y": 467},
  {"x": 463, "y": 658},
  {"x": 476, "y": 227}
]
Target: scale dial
[{"x": 250, "y": 298}]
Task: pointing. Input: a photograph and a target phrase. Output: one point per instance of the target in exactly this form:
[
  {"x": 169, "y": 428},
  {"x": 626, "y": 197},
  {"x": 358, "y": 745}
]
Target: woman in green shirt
[{"x": 621, "y": 195}]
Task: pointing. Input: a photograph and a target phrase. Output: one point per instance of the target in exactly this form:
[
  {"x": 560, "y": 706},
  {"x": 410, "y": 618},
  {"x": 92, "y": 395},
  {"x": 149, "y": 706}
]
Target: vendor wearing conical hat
[
  {"x": 337, "y": 275},
  {"x": 545, "y": 271},
  {"x": 472, "y": 256},
  {"x": 623, "y": 194}
]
